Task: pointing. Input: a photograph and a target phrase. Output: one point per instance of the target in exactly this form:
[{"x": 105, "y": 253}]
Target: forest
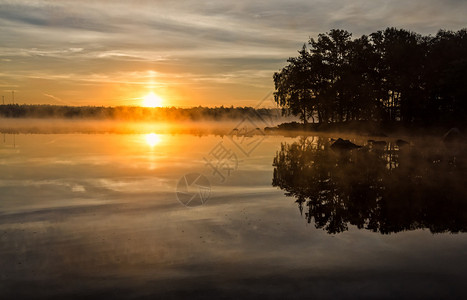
[
  {"x": 393, "y": 75},
  {"x": 135, "y": 113}
]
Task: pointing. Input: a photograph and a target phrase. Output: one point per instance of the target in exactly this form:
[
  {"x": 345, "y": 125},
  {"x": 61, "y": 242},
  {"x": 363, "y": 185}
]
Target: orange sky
[{"x": 190, "y": 53}]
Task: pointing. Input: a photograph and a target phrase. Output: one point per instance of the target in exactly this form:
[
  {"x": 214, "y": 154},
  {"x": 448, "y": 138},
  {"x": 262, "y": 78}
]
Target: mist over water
[
  {"x": 48, "y": 126},
  {"x": 97, "y": 214}
]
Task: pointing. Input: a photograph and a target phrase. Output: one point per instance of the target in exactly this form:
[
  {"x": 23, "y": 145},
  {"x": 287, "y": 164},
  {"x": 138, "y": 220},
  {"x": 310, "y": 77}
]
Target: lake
[{"x": 168, "y": 216}]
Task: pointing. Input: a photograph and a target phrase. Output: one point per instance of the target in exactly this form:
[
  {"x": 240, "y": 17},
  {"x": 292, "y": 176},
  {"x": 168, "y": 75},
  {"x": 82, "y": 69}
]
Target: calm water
[{"x": 284, "y": 217}]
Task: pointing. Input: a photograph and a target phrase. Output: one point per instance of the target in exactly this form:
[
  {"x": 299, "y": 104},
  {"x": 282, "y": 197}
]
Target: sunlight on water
[
  {"x": 101, "y": 206},
  {"x": 152, "y": 139}
]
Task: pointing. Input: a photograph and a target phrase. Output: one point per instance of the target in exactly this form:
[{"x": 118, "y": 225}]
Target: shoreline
[
  {"x": 364, "y": 128},
  {"x": 225, "y": 127}
]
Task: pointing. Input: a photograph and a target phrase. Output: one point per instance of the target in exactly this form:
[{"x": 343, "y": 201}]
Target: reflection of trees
[{"x": 385, "y": 190}]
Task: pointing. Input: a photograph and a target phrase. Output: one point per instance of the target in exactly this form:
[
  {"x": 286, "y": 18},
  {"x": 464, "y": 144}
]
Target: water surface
[{"x": 97, "y": 215}]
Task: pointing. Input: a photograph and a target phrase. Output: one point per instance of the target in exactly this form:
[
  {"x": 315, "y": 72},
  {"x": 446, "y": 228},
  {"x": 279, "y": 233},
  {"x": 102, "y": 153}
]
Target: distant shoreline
[
  {"x": 135, "y": 113},
  {"x": 216, "y": 127},
  {"x": 365, "y": 128},
  {"x": 33, "y": 118}
]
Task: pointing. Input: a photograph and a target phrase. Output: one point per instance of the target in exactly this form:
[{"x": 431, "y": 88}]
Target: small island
[{"x": 388, "y": 81}]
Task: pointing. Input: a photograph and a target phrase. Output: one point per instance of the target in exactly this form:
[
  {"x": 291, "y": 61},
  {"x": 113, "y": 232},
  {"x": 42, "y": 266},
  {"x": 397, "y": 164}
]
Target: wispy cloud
[
  {"x": 56, "y": 99},
  {"x": 203, "y": 43}
]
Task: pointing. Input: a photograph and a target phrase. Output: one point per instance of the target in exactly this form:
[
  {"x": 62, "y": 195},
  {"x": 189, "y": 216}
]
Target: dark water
[
  {"x": 97, "y": 216},
  {"x": 381, "y": 188}
]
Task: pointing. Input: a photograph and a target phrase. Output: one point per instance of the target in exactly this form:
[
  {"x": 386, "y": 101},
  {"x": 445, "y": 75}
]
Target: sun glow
[
  {"x": 152, "y": 139},
  {"x": 152, "y": 100}
]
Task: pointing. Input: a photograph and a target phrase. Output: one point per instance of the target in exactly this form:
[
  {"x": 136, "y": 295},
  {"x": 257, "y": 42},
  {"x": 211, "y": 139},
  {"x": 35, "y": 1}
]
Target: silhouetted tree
[
  {"x": 446, "y": 77},
  {"x": 392, "y": 75},
  {"x": 294, "y": 87}
]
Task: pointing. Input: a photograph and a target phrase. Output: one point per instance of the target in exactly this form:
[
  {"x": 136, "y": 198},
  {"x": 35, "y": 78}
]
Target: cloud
[
  {"x": 56, "y": 99},
  {"x": 216, "y": 41}
]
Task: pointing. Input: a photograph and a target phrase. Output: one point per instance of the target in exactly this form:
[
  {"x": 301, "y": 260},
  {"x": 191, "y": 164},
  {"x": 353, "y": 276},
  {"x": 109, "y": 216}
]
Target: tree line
[
  {"x": 392, "y": 75},
  {"x": 135, "y": 113}
]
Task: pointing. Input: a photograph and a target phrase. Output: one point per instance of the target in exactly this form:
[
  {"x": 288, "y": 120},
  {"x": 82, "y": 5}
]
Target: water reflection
[
  {"x": 9, "y": 144},
  {"x": 87, "y": 214},
  {"x": 383, "y": 189},
  {"x": 152, "y": 139}
]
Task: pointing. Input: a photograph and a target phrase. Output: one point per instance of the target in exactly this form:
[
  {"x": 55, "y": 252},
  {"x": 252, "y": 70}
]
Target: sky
[{"x": 189, "y": 53}]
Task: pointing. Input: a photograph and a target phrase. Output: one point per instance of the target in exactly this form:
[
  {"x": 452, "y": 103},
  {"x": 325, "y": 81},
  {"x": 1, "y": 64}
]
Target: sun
[{"x": 152, "y": 100}]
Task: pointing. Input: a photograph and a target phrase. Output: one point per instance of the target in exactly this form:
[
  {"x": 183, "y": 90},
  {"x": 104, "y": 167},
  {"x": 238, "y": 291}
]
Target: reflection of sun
[
  {"x": 152, "y": 100},
  {"x": 152, "y": 139}
]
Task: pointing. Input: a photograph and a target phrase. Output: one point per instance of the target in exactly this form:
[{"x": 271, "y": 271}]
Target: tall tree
[
  {"x": 391, "y": 75},
  {"x": 333, "y": 49},
  {"x": 402, "y": 59},
  {"x": 447, "y": 77},
  {"x": 294, "y": 91}
]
